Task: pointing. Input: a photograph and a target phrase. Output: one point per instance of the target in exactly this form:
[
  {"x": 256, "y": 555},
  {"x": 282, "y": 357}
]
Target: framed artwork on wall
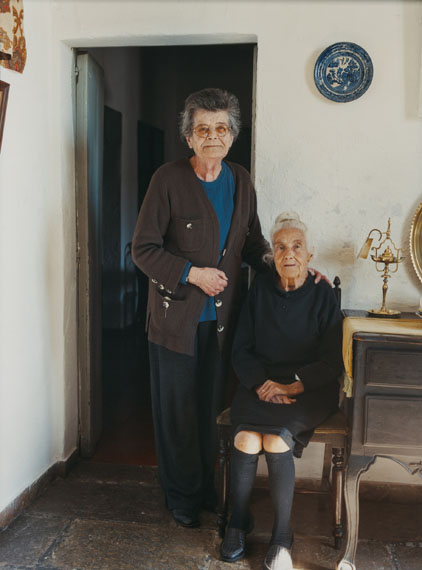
[{"x": 4, "y": 93}]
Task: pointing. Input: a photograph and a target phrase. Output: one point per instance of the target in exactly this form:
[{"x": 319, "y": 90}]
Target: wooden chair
[{"x": 332, "y": 432}]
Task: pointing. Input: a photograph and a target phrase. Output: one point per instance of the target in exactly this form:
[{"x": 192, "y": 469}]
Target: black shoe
[
  {"x": 233, "y": 546},
  {"x": 185, "y": 518},
  {"x": 278, "y": 558}
]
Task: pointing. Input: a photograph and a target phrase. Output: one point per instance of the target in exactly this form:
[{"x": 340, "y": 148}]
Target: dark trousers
[{"x": 187, "y": 395}]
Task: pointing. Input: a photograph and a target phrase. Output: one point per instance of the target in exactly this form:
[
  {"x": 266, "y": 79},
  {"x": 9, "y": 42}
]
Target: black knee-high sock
[
  {"x": 243, "y": 471},
  {"x": 281, "y": 473}
]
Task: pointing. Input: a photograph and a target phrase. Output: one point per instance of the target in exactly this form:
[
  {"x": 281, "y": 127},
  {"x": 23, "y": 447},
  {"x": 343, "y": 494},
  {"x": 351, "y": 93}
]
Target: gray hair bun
[
  {"x": 289, "y": 216},
  {"x": 288, "y": 219}
]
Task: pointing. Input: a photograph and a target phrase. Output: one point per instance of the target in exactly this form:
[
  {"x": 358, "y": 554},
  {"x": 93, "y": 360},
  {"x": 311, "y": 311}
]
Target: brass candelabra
[{"x": 389, "y": 257}]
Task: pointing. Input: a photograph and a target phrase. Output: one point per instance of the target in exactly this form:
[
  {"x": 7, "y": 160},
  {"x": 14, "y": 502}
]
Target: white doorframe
[{"x": 89, "y": 170}]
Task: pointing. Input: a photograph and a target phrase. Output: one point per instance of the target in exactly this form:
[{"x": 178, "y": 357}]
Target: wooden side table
[{"x": 385, "y": 413}]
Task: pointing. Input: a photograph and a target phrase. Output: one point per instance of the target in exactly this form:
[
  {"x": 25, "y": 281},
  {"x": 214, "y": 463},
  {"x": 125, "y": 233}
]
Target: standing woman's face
[
  {"x": 211, "y": 137},
  {"x": 291, "y": 257}
]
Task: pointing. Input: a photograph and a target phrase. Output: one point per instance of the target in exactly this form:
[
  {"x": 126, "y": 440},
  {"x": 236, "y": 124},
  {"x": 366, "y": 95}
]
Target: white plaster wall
[
  {"x": 33, "y": 321},
  {"x": 344, "y": 167}
]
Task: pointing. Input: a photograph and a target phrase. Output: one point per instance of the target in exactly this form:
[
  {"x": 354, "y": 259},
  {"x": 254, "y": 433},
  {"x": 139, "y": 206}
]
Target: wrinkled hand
[
  {"x": 269, "y": 389},
  {"x": 279, "y": 399},
  {"x": 319, "y": 276},
  {"x": 212, "y": 281}
]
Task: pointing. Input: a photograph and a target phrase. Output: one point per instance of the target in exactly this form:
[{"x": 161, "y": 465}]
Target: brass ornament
[
  {"x": 415, "y": 246},
  {"x": 415, "y": 242},
  {"x": 389, "y": 257}
]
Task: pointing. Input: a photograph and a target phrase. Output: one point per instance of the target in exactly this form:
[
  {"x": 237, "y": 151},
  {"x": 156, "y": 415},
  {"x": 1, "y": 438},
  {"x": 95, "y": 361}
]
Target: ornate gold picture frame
[
  {"x": 4, "y": 93},
  {"x": 415, "y": 244}
]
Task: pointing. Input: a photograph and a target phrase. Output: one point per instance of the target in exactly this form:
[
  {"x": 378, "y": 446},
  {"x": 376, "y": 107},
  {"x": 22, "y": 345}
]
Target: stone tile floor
[{"x": 111, "y": 517}]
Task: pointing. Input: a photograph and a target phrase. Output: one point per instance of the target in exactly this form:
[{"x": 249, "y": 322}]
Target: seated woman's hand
[
  {"x": 279, "y": 399},
  {"x": 270, "y": 389}
]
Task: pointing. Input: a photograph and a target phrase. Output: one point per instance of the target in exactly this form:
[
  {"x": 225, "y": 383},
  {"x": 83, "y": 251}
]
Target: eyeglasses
[{"x": 203, "y": 131}]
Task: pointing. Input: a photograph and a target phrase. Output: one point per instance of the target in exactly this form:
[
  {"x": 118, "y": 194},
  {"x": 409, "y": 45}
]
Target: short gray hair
[
  {"x": 283, "y": 221},
  {"x": 210, "y": 99}
]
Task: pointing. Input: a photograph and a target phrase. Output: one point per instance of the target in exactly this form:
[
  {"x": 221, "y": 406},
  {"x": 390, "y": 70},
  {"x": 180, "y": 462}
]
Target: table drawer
[
  {"x": 393, "y": 422},
  {"x": 396, "y": 369}
]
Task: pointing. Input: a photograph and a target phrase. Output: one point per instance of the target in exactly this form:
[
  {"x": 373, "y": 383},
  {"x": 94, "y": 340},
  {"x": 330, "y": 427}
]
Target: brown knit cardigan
[{"x": 177, "y": 223}]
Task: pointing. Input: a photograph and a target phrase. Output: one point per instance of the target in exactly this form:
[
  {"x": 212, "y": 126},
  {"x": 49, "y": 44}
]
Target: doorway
[{"x": 144, "y": 91}]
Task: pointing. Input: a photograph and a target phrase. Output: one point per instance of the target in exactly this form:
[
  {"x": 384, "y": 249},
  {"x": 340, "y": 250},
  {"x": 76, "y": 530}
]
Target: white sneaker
[{"x": 278, "y": 558}]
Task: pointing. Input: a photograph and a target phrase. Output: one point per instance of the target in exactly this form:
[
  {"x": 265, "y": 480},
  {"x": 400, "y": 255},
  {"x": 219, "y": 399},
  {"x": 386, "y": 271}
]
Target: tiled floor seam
[
  {"x": 406, "y": 544},
  {"x": 56, "y": 541},
  {"x": 19, "y": 567},
  {"x": 394, "y": 558},
  {"x": 391, "y": 547}
]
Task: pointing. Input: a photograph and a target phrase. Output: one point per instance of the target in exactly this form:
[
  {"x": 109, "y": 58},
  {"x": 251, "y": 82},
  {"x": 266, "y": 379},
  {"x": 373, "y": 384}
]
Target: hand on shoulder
[{"x": 318, "y": 276}]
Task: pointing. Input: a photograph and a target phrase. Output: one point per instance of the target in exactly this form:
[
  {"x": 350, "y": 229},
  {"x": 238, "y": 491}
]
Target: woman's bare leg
[{"x": 248, "y": 442}]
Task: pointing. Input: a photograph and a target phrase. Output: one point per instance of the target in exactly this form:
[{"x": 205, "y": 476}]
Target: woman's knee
[
  {"x": 275, "y": 444},
  {"x": 248, "y": 441}
]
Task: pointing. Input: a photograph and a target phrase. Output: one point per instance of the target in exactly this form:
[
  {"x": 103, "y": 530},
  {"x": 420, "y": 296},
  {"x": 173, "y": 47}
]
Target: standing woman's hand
[
  {"x": 318, "y": 276},
  {"x": 212, "y": 281}
]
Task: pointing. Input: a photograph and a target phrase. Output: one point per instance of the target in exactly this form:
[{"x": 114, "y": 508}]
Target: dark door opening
[{"x": 161, "y": 80}]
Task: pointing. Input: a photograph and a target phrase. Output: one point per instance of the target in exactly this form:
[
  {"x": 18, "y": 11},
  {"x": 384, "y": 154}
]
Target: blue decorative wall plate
[{"x": 343, "y": 72}]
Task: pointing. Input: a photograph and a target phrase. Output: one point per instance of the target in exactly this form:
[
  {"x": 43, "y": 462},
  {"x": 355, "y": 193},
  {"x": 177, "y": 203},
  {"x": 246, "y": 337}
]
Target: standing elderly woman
[
  {"x": 287, "y": 355},
  {"x": 197, "y": 223}
]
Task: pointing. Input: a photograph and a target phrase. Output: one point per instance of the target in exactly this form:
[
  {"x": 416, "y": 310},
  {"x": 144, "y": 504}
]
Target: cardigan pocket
[
  {"x": 187, "y": 233},
  {"x": 168, "y": 313}
]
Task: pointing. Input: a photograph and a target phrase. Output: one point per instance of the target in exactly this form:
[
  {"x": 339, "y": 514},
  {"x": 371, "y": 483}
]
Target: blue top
[{"x": 220, "y": 193}]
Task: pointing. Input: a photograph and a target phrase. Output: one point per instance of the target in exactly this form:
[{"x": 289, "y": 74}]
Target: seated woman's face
[{"x": 291, "y": 257}]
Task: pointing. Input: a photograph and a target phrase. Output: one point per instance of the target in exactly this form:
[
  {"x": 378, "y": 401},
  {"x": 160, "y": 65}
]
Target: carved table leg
[
  {"x": 337, "y": 494},
  {"x": 356, "y": 466}
]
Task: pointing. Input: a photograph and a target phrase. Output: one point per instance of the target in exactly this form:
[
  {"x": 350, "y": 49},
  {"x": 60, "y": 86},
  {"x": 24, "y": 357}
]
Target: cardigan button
[
  {"x": 154, "y": 281},
  {"x": 161, "y": 286},
  {"x": 218, "y": 303},
  {"x": 189, "y": 226},
  {"x": 220, "y": 328}
]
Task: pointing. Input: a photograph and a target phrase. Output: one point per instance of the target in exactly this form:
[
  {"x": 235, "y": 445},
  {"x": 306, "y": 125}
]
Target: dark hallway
[{"x": 127, "y": 436}]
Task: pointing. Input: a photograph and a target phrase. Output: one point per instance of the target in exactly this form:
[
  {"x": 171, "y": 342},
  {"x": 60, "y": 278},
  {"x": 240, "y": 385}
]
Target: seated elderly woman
[{"x": 287, "y": 356}]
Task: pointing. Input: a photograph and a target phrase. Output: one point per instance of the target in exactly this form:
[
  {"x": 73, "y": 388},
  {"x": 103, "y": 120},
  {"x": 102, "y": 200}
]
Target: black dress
[{"x": 280, "y": 334}]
